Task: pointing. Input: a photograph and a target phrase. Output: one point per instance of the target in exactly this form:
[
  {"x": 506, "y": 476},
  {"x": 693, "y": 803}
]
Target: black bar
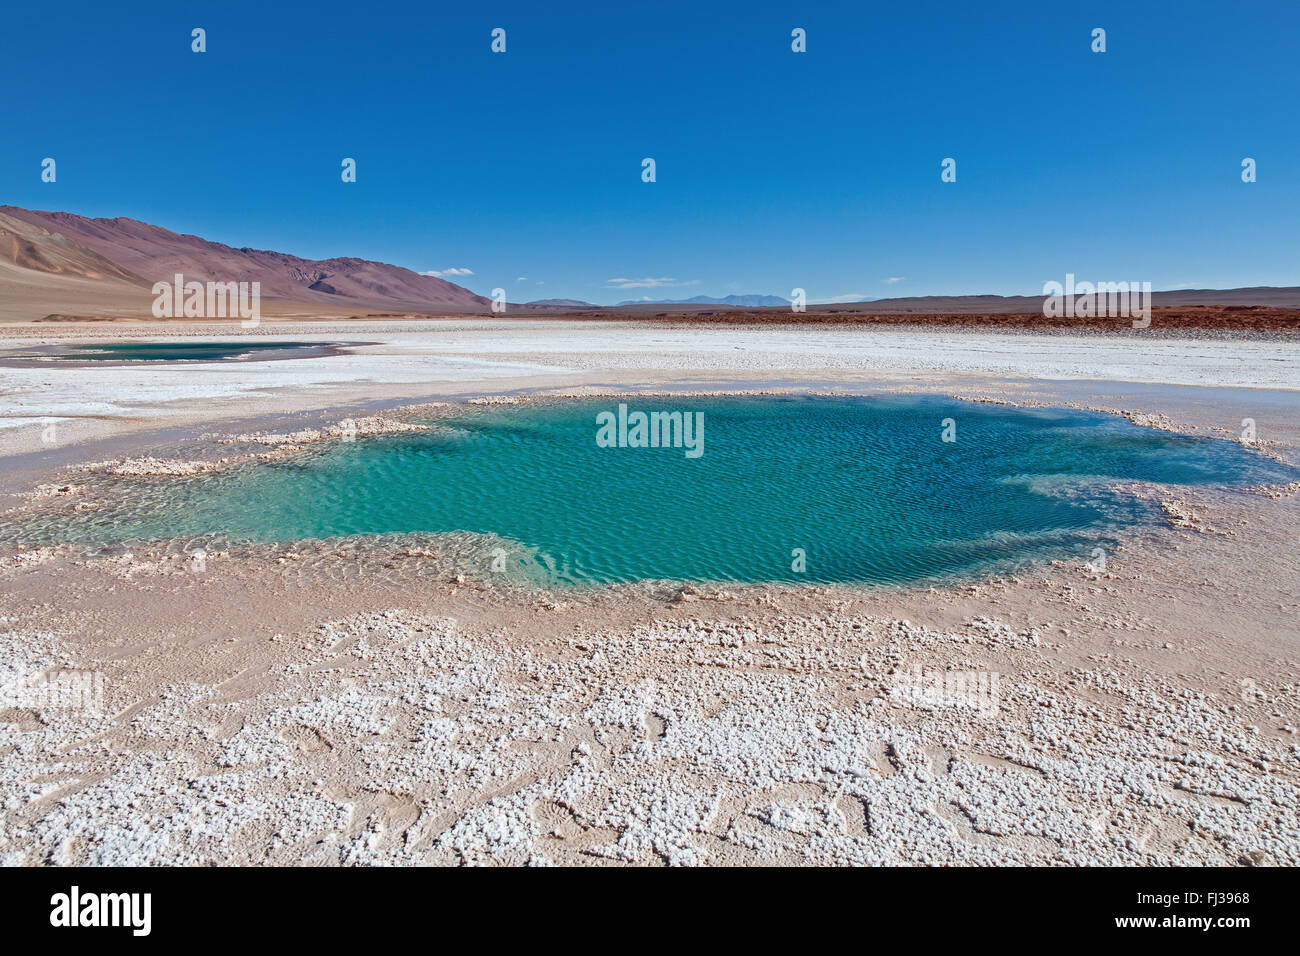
[{"x": 341, "y": 906}]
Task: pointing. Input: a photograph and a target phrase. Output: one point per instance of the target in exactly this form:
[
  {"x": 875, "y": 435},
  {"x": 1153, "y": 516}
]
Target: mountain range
[
  {"x": 134, "y": 253},
  {"x": 60, "y": 266},
  {"x": 741, "y": 301}
]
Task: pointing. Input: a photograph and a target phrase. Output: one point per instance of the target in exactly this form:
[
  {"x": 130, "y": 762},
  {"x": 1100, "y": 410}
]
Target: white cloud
[
  {"x": 847, "y": 297},
  {"x": 645, "y": 283},
  {"x": 892, "y": 279},
  {"x": 448, "y": 272}
]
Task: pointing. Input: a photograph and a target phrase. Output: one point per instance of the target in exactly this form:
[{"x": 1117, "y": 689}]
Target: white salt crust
[{"x": 396, "y": 739}]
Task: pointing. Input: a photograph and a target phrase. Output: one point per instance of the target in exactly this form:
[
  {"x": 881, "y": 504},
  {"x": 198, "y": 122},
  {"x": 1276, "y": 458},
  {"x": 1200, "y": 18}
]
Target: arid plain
[{"x": 384, "y": 702}]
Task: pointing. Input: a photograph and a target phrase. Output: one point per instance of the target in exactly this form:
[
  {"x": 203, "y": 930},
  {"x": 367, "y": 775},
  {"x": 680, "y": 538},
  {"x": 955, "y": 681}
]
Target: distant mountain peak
[
  {"x": 569, "y": 303},
  {"x": 741, "y": 301}
]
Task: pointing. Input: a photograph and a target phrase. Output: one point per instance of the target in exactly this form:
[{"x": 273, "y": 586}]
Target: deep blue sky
[{"x": 775, "y": 169}]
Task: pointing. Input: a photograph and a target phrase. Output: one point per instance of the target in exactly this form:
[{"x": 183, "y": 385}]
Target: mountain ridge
[
  {"x": 66, "y": 265},
  {"x": 154, "y": 253}
]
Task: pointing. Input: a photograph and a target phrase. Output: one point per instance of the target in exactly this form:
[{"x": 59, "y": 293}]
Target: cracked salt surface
[{"x": 399, "y": 739}]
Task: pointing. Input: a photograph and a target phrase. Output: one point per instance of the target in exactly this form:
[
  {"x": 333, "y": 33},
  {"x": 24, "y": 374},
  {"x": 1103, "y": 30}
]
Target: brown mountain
[
  {"x": 153, "y": 254},
  {"x": 28, "y": 246},
  {"x": 43, "y": 274}
]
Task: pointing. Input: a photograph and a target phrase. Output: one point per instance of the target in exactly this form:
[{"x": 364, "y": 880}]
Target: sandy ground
[{"x": 300, "y": 705}]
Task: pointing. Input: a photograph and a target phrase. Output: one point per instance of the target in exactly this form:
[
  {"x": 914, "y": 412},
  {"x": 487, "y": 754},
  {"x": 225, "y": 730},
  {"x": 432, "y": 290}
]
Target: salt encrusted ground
[
  {"x": 454, "y": 356},
  {"x": 399, "y": 738},
  {"x": 286, "y": 707}
]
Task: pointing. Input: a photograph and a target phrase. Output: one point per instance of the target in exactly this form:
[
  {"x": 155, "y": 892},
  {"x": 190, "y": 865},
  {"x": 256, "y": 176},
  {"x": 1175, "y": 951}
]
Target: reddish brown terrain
[
  {"x": 29, "y": 246},
  {"x": 1199, "y": 318},
  {"x": 156, "y": 254}
]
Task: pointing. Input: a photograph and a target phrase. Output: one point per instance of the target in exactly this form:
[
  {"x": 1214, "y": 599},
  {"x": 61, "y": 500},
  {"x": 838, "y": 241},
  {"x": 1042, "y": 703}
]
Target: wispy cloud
[
  {"x": 646, "y": 283},
  {"x": 441, "y": 273},
  {"x": 892, "y": 279},
  {"x": 847, "y": 297},
  {"x": 522, "y": 279}
]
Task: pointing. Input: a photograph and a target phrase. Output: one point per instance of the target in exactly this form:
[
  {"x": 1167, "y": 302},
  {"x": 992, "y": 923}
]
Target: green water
[
  {"x": 173, "y": 351},
  {"x": 865, "y": 487}
]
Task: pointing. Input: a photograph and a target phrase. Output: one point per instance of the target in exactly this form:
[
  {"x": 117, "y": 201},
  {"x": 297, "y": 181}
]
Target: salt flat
[
  {"x": 415, "y": 358},
  {"x": 335, "y": 704}
]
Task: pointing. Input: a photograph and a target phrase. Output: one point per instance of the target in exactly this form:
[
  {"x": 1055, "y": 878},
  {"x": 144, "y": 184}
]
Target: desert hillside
[{"x": 152, "y": 253}]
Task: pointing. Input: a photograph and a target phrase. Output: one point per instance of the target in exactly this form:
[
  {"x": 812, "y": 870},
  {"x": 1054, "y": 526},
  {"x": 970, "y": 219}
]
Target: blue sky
[{"x": 774, "y": 169}]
